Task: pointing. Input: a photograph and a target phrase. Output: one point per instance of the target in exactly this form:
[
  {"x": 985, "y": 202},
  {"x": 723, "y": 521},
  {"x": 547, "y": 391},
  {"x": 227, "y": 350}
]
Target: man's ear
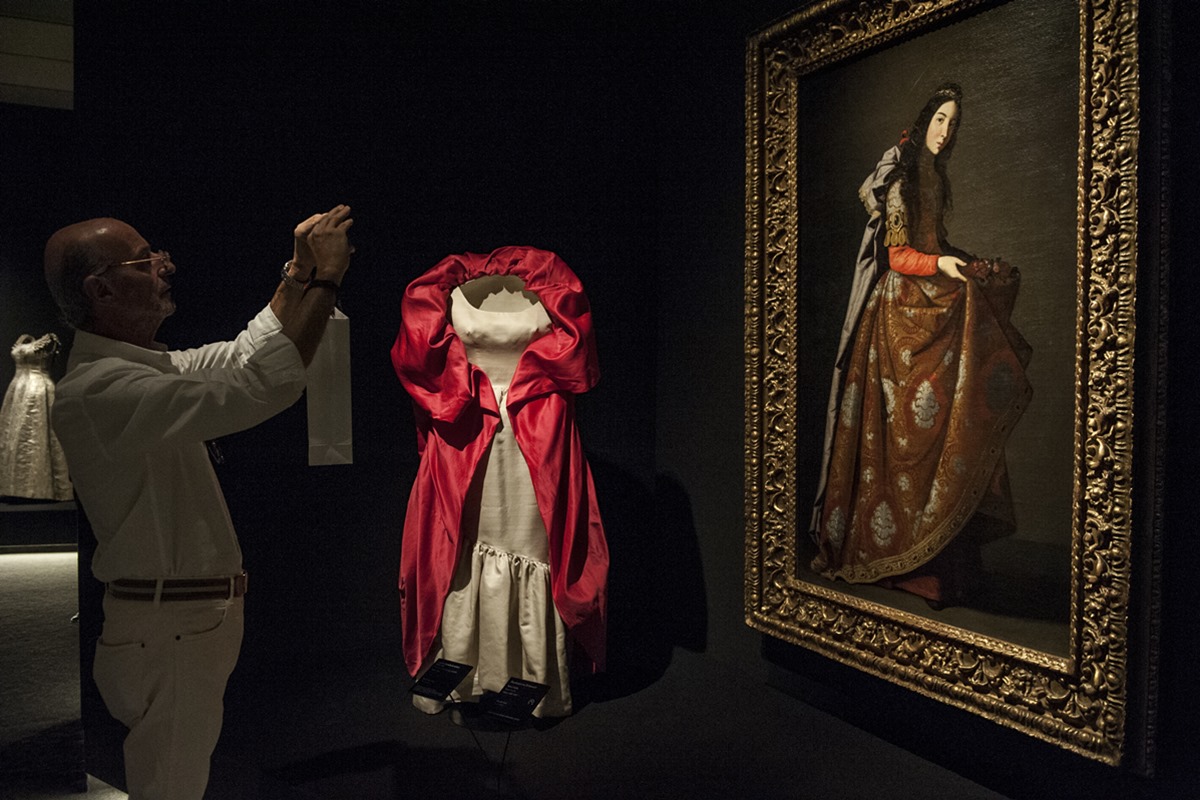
[{"x": 96, "y": 288}]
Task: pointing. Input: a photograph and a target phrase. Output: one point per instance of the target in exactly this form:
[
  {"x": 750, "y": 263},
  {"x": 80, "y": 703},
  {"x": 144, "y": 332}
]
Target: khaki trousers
[{"x": 162, "y": 668}]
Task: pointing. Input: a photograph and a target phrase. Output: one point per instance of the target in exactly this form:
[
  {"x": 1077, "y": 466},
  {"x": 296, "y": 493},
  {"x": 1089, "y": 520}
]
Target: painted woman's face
[{"x": 942, "y": 127}]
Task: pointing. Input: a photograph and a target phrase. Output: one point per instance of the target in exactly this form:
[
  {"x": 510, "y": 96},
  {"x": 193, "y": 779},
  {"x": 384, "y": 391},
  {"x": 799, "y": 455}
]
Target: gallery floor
[{"x": 338, "y": 725}]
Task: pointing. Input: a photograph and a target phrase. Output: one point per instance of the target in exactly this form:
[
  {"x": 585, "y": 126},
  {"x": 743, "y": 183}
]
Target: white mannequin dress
[
  {"x": 32, "y": 464},
  {"x": 499, "y": 615}
]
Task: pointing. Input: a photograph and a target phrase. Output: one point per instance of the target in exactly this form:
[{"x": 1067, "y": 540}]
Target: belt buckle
[{"x": 240, "y": 584}]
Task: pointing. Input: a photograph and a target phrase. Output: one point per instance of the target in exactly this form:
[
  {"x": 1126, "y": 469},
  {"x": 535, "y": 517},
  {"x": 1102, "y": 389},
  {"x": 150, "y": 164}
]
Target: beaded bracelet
[{"x": 294, "y": 282}]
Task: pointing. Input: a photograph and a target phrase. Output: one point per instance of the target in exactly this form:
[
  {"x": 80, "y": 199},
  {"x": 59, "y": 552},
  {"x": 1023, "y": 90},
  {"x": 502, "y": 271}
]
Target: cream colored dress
[
  {"x": 32, "y": 464},
  {"x": 499, "y": 615}
]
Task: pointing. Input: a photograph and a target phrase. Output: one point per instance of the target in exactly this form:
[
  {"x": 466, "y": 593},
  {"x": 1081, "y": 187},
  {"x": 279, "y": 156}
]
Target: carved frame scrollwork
[{"x": 1080, "y": 702}]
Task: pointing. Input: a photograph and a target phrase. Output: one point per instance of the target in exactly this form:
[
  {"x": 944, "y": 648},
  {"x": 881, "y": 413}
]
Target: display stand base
[
  {"x": 472, "y": 716},
  {"x": 32, "y": 526}
]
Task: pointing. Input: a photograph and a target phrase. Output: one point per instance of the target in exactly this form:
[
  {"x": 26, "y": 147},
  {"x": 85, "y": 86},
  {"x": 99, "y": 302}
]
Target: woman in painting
[{"x": 928, "y": 383}]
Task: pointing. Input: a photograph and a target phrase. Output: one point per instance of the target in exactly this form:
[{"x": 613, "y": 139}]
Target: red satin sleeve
[
  {"x": 565, "y": 359},
  {"x": 903, "y": 258},
  {"x": 428, "y": 357}
]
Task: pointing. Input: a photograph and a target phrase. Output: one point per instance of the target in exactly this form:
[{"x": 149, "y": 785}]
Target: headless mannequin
[{"x": 499, "y": 615}]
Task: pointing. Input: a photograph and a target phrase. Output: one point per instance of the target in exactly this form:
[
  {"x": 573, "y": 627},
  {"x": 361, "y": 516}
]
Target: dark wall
[
  {"x": 215, "y": 127},
  {"x": 611, "y": 133}
]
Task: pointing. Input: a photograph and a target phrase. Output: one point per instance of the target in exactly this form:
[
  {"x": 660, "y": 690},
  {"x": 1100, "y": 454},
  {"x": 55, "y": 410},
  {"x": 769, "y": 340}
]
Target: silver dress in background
[{"x": 32, "y": 464}]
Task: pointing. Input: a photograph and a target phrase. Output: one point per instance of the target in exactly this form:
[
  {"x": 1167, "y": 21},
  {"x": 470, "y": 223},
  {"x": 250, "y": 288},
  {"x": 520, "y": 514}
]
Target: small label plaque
[
  {"x": 515, "y": 702},
  {"x": 441, "y": 679}
]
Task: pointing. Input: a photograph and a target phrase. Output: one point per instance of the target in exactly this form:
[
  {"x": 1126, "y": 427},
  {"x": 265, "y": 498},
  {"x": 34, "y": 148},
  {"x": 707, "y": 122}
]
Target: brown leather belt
[{"x": 170, "y": 589}]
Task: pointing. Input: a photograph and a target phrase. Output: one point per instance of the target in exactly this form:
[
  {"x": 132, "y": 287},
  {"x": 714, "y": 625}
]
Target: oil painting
[{"x": 941, "y": 218}]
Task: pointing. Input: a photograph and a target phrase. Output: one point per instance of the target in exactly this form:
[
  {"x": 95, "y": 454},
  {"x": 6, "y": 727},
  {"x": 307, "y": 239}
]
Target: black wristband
[{"x": 321, "y": 283}]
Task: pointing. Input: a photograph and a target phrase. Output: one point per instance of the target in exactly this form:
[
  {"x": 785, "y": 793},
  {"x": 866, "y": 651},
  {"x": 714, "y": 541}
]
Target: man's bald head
[{"x": 78, "y": 250}]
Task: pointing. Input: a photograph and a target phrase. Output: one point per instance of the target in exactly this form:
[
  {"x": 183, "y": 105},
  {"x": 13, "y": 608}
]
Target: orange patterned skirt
[{"x": 935, "y": 383}]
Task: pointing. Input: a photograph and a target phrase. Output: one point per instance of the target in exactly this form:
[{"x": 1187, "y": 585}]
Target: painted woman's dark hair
[{"x": 910, "y": 148}]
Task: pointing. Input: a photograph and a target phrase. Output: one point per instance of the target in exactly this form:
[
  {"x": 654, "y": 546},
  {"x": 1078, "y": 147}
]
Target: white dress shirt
[{"x": 133, "y": 423}]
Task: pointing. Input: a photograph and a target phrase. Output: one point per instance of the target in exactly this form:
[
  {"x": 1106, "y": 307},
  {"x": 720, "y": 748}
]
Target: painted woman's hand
[{"x": 949, "y": 266}]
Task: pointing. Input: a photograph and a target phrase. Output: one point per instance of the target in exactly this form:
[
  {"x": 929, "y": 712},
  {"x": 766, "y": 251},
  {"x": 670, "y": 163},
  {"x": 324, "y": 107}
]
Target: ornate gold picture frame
[{"x": 1050, "y": 174}]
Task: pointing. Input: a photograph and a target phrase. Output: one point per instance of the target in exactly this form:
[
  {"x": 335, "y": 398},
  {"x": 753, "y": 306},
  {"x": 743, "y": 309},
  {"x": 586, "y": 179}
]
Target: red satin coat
[{"x": 456, "y": 416}]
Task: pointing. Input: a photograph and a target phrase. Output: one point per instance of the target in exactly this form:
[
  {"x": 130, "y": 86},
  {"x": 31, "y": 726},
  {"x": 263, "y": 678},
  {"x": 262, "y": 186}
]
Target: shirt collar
[{"x": 89, "y": 346}]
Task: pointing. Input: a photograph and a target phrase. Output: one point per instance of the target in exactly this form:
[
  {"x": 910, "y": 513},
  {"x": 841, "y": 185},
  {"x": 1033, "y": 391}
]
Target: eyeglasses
[{"x": 161, "y": 256}]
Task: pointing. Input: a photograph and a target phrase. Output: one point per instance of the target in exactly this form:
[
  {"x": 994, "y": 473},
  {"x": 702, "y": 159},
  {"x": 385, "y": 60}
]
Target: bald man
[{"x": 133, "y": 419}]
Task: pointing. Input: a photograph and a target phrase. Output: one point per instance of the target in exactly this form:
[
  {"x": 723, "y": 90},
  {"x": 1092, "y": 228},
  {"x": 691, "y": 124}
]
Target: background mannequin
[{"x": 32, "y": 464}]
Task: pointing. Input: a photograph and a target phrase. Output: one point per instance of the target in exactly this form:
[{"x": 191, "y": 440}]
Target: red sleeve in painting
[{"x": 903, "y": 258}]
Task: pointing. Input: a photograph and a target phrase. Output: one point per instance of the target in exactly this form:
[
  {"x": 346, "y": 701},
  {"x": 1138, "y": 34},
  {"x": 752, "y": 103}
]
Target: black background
[{"x": 609, "y": 132}]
